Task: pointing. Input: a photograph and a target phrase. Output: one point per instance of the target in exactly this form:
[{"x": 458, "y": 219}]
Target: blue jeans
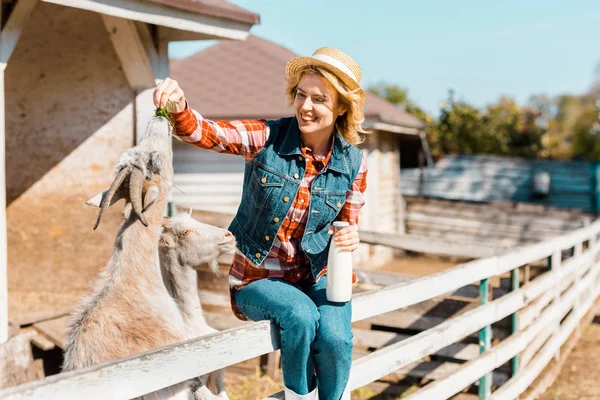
[{"x": 316, "y": 335}]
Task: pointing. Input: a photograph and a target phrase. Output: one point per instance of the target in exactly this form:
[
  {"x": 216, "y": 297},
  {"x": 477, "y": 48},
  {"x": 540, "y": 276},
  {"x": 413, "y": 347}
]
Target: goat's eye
[{"x": 186, "y": 232}]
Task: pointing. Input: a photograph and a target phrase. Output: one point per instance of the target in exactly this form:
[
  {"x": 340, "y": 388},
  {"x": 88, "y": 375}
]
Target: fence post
[
  {"x": 555, "y": 265},
  {"x": 514, "y": 319},
  {"x": 485, "y": 341}
]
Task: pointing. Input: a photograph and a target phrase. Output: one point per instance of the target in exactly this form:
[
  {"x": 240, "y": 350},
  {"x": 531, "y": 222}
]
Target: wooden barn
[
  {"x": 77, "y": 81},
  {"x": 245, "y": 80}
]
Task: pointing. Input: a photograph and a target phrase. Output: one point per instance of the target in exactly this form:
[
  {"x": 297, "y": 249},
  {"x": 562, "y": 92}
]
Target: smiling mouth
[{"x": 304, "y": 118}]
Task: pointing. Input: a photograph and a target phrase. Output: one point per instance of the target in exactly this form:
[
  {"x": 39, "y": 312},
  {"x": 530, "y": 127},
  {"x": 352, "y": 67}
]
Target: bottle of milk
[{"x": 339, "y": 270}]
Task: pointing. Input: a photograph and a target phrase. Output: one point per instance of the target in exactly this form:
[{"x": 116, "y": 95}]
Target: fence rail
[{"x": 569, "y": 288}]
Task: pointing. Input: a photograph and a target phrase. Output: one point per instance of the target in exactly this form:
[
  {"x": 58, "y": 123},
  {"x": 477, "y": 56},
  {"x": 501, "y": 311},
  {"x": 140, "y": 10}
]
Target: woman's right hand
[{"x": 168, "y": 93}]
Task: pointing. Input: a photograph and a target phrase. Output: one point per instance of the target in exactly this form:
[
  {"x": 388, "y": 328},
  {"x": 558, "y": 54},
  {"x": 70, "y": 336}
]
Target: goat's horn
[
  {"x": 136, "y": 182},
  {"x": 190, "y": 211},
  {"x": 150, "y": 197},
  {"x": 106, "y": 200}
]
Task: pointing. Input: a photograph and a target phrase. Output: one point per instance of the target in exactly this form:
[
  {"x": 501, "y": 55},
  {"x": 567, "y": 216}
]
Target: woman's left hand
[{"x": 346, "y": 238}]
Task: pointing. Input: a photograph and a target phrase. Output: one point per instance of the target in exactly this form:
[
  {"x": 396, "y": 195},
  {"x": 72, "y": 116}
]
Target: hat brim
[{"x": 297, "y": 63}]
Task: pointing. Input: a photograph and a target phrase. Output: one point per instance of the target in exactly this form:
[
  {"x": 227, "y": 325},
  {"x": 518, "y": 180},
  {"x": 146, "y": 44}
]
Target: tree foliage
[{"x": 502, "y": 128}]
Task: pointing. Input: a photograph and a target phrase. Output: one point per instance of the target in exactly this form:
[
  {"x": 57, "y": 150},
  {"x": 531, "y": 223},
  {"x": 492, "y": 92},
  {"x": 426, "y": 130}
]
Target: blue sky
[{"x": 481, "y": 49}]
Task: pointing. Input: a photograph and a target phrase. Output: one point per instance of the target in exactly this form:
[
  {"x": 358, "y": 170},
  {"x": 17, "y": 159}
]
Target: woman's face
[{"x": 316, "y": 105}]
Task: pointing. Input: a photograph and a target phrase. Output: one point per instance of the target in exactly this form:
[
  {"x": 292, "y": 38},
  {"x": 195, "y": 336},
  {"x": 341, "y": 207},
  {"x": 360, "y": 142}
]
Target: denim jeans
[{"x": 316, "y": 335}]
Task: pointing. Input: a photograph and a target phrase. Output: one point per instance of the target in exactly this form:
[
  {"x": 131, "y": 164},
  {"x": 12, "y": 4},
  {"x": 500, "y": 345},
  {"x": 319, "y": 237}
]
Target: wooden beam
[
  {"x": 130, "y": 51},
  {"x": 157, "y": 50},
  {"x": 9, "y": 37},
  {"x": 11, "y": 31},
  {"x": 423, "y": 244},
  {"x": 3, "y": 241},
  {"x": 158, "y": 15}
]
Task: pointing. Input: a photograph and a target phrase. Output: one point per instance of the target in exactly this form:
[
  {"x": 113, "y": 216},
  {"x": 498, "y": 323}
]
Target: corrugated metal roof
[{"x": 245, "y": 79}]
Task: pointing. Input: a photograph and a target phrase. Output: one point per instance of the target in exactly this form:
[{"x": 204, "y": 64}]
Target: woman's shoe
[{"x": 291, "y": 395}]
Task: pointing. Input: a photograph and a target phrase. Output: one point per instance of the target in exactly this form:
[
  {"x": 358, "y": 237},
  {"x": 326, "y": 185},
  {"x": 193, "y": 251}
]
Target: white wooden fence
[{"x": 568, "y": 289}]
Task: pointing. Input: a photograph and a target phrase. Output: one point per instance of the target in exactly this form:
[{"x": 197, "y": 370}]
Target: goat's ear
[
  {"x": 96, "y": 200},
  {"x": 166, "y": 240}
]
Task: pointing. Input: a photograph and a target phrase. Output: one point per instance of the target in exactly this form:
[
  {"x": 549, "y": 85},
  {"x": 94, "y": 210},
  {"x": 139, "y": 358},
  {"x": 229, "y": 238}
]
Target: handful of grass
[{"x": 162, "y": 112}]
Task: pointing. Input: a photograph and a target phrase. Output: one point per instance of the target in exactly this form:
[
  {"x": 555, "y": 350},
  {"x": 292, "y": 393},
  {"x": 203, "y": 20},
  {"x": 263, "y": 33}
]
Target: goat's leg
[
  {"x": 201, "y": 391},
  {"x": 220, "y": 385}
]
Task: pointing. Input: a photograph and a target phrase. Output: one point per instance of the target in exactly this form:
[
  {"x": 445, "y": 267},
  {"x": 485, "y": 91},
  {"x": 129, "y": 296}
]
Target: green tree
[
  {"x": 459, "y": 127},
  {"x": 512, "y": 130},
  {"x": 586, "y": 142},
  {"x": 399, "y": 97},
  {"x": 502, "y": 128}
]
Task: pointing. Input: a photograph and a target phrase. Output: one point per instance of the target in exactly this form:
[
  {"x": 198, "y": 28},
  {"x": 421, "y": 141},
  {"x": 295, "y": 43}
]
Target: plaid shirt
[{"x": 286, "y": 259}]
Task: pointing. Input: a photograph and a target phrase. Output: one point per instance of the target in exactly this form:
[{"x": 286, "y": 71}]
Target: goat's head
[
  {"x": 139, "y": 172},
  {"x": 193, "y": 242}
]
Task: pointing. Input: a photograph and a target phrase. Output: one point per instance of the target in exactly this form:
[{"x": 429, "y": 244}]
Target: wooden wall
[
  {"x": 69, "y": 117},
  {"x": 494, "y": 178},
  {"x": 494, "y": 225}
]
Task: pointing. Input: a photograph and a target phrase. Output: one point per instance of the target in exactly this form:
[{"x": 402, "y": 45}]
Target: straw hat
[{"x": 333, "y": 60}]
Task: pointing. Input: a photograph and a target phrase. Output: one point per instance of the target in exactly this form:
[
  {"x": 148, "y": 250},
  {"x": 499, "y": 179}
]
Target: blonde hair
[{"x": 349, "y": 125}]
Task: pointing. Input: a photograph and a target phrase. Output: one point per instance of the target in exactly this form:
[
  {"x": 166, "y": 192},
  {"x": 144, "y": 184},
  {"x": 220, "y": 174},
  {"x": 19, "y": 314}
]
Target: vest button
[
  {"x": 275, "y": 219},
  {"x": 296, "y": 176},
  {"x": 267, "y": 238},
  {"x": 264, "y": 179},
  {"x": 300, "y": 158},
  {"x": 286, "y": 199},
  {"x": 257, "y": 255},
  {"x": 339, "y": 204}
]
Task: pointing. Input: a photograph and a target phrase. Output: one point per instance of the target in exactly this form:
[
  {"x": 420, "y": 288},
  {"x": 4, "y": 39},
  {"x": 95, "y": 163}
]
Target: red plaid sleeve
[
  {"x": 244, "y": 138},
  {"x": 355, "y": 198}
]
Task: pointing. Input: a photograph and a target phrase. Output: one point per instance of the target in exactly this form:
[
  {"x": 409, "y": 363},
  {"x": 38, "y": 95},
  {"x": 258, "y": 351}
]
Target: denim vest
[{"x": 271, "y": 181}]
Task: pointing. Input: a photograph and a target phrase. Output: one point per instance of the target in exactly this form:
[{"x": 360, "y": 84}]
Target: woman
[{"x": 302, "y": 173}]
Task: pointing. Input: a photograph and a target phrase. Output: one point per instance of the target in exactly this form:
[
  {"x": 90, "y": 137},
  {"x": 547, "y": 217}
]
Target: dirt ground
[{"x": 579, "y": 378}]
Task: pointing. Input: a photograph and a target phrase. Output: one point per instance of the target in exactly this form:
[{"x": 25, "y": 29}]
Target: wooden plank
[
  {"x": 3, "y": 237},
  {"x": 496, "y": 210},
  {"x": 436, "y": 370},
  {"x": 484, "y": 224},
  {"x": 54, "y": 329},
  {"x": 208, "y": 27},
  {"x": 39, "y": 316},
  {"x": 131, "y": 52},
  {"x": 11, "y": 32},
  {"x": 422, "y": 244},
  {"x": 467, "y": 236},
  {"x": 378, "y": 339},
  {"x": 381, "y": 278},
  {"x": 42, "y": 342}
]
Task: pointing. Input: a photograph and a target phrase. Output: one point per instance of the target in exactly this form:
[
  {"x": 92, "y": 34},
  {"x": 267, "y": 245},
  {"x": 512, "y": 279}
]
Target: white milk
[{"x": 339, "y": 270}]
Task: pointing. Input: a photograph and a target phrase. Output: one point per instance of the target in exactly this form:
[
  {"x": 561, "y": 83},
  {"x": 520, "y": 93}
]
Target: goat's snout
[{"x": 228, "y": 238}]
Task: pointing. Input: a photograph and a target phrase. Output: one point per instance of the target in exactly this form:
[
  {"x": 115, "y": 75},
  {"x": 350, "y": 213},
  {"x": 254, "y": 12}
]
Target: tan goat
[
  {"x": 129, "y": 309},
  {"x": 185, "y": 244}
]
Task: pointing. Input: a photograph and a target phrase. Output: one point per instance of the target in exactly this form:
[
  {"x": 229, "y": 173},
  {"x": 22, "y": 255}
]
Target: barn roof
[{"x": 245, "y": 79}]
